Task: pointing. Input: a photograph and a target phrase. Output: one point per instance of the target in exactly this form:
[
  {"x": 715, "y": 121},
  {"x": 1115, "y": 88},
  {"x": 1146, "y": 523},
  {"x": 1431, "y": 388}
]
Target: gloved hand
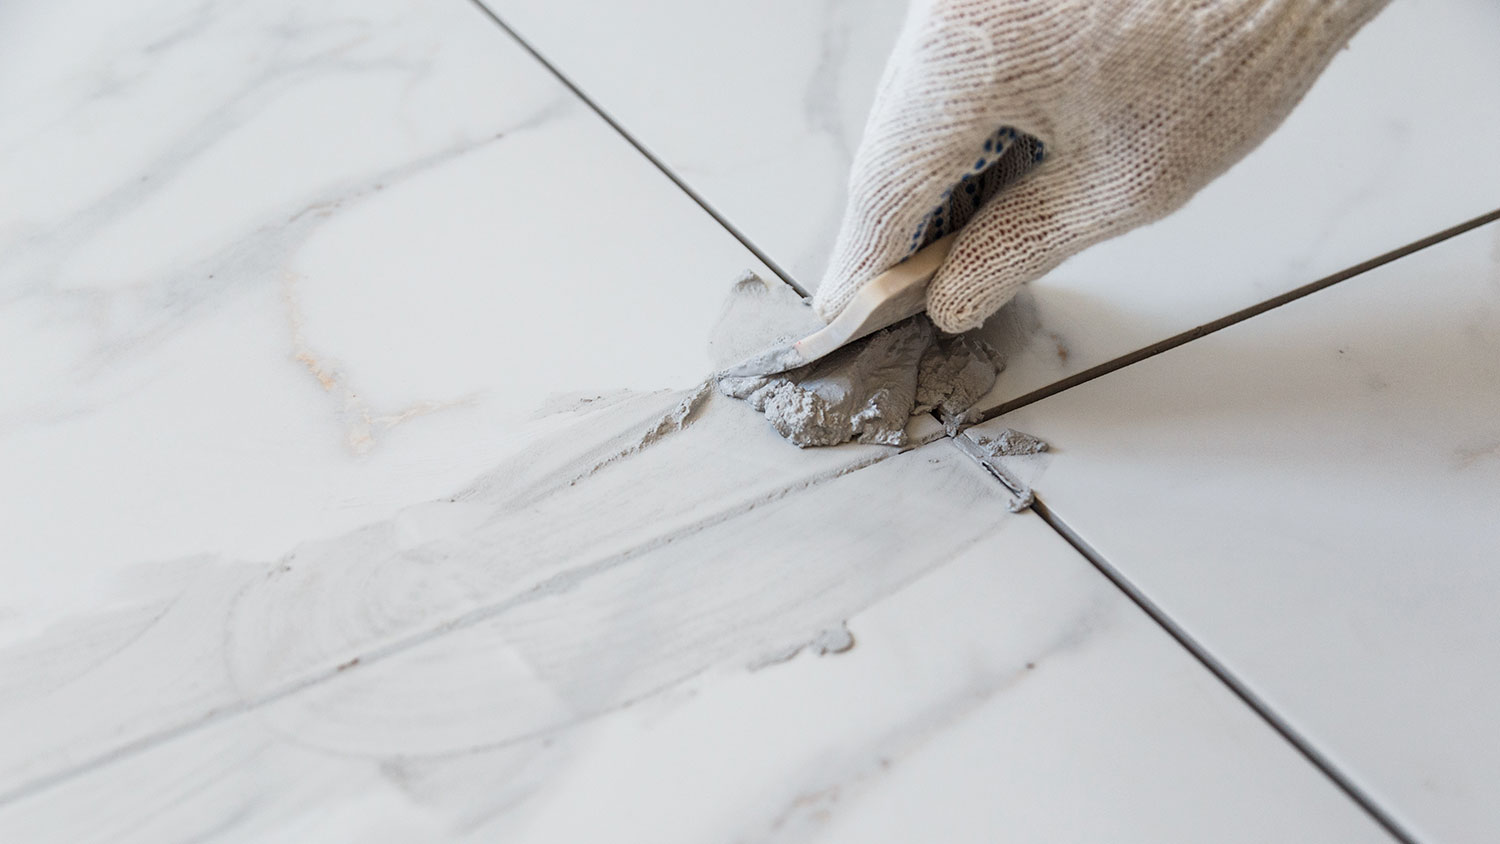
[{"x": 1041, "y": 127}]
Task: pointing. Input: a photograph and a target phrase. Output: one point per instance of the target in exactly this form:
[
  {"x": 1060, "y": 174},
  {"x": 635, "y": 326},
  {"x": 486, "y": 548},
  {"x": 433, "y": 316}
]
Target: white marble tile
[
  {"x": 271, "y": 271},
  {"x": 274, "y": 277},
  {"x": 1314, "y": 494},
  {"x": 336, "y": 344},
  {"x": 759, "y": 106},
  {"x": 997, "y": 688}
]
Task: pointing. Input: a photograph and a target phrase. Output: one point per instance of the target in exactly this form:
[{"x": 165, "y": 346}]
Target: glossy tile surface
[
  {"x": 1314, "y": 495},
  {"x": 989, "y": 684},
  {"x": 271, "y": 271},
  {"x": 759, "y": 107},
  {"x": 359, "y": 481},
  {"x": 320, "y": 323}
]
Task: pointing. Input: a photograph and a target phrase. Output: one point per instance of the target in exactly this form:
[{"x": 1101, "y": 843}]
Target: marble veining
[{"x": 261, "y": 272}]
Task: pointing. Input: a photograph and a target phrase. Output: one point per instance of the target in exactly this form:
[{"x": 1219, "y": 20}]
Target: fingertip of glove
[
  {"x": 829, "y": 299},
  {"x": 952, "y": 322},
  {"x": 959, "y": 302},
  {"x": 823, "y": 311}
]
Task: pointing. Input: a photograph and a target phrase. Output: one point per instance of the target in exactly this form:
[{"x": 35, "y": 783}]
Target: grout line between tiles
[
  {"x": 1237, "y": 686},
  {"x": 1200, "y": 653},
  {"x": 641, "y": 148},
  {"x": 1238, "y": 316}
]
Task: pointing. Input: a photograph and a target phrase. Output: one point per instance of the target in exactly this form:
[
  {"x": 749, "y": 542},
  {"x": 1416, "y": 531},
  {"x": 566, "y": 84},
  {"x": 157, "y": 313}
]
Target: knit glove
[{"x": 1041, "y": 127}]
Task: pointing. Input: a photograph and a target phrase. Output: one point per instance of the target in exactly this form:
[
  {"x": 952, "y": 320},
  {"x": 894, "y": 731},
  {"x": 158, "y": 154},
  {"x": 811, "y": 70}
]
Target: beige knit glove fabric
[{"x": 1041, "y": 127}]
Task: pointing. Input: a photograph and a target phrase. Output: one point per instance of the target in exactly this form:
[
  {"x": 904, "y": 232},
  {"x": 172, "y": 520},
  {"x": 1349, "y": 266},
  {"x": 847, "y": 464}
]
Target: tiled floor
[
  {"x": 337, "y": 342},
  {"x": 1314, "y": 496}
]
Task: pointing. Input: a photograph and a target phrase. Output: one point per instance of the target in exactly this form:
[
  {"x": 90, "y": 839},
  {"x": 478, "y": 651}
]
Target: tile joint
[
  {"x": 1201, "y": 654},
  {"x": 1226, "y": 321},
  {"x": 642, "y": 149}
]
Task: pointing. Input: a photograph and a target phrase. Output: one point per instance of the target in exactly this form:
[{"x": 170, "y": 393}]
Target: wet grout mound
[{"x": 865, "y": 391}]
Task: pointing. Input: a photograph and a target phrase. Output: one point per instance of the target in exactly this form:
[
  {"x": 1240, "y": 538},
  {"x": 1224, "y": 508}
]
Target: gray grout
[{"x": 643, "y": 150}]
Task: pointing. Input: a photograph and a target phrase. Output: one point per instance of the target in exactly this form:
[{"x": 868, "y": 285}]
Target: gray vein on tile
[
  {"x": 823, "y": 111},
  {"x": 230, "y": 113},
  {"x": 860, "y": 769},
  {"x": 253, "y": 258},
  {"x": 821, "y": 102}
]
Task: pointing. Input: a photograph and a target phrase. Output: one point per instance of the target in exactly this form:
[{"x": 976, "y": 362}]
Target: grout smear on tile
[
  {"x": 1009, "y": 443},
  {"x": 675, "y": 419},
  {"x": 865, "y": 391},
  {"x": 1014, "y": 457},
  {"x": 826, "y": 642},
  {"x": 658, "y": 422}
]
